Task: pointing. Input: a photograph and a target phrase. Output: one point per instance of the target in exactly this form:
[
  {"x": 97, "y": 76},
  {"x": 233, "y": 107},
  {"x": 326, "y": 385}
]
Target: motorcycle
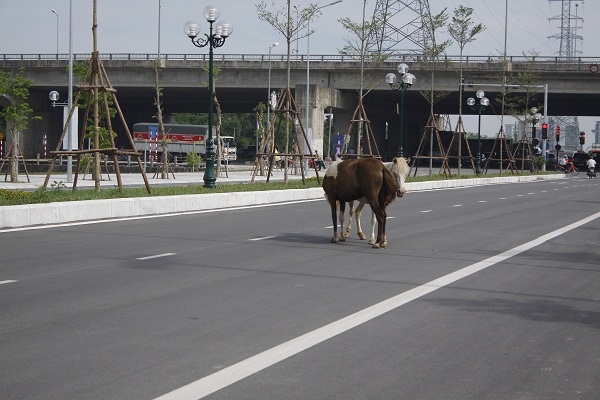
[{"x": 591, "y": 173}]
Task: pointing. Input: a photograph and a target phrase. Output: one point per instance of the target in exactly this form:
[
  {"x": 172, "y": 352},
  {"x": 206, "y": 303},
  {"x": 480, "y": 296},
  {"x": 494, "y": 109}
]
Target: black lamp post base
[{"x": 210, "y": 176}]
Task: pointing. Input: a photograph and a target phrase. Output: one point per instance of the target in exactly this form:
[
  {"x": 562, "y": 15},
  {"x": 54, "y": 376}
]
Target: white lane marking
[
  {"x": 426, "y": 211},
  {"x": 261, "y": 238},
  {"x": 156, "y": 256},
  {"x": 457, "y": 205},
  {"x": 3, "y": 282},
  {"x": 502, "y": 198},
  {"x": 230, "y": 375},
  {"x": 482, "y": 201}
]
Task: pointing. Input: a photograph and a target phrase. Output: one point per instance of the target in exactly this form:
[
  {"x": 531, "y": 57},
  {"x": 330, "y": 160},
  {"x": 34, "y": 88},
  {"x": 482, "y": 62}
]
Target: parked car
[
  {"x": 595, "y": 154},
  {"x": 551, "y": 163},
  {"x": 579, "y": 159}
]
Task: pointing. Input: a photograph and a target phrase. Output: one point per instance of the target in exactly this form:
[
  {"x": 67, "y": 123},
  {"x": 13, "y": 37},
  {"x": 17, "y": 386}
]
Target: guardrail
[{"x": 406, "y": 56}]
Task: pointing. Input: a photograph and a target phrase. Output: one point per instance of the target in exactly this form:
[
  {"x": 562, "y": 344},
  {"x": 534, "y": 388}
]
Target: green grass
[{"x": 58, "y": 192}]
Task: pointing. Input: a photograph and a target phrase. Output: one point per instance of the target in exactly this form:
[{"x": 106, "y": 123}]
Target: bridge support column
[{"x": 323, "y": 98}]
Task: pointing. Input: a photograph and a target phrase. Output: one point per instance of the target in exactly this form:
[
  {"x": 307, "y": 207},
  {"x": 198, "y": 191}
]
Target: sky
[{"x": 131, "y": 26}]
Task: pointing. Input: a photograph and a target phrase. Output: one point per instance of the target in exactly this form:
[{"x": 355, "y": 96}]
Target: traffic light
[
  {"x": 582, "y": 138},
  {"x": 544, "y": 131},
  {"x": 557, "y": 133}
]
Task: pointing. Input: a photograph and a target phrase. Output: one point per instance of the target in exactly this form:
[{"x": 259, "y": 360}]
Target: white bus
[{"x": 181, "y": 139}]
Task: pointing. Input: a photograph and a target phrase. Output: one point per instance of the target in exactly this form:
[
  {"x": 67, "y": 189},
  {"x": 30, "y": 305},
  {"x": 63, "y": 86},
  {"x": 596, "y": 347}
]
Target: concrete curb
[{"x": 73, "y": 211}]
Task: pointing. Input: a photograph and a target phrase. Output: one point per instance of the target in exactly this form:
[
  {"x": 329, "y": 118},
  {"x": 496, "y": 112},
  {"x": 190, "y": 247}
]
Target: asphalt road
[{"x": 482, "y": 293}]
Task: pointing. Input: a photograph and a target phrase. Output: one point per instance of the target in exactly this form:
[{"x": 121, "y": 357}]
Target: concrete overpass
[{"x": 573, "y": 86}]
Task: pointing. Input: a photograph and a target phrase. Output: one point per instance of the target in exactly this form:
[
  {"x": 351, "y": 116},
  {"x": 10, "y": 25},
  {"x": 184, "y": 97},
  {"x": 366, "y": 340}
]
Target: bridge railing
[{"x": 401, "y": 56}]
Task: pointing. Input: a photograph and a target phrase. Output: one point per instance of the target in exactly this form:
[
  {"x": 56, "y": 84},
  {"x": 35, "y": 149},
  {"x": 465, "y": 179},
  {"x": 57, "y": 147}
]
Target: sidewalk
[{"x": 233, "y": 174}]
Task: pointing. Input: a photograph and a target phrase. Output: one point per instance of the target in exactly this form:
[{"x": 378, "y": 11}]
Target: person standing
[{"x": 319, "y": 161}]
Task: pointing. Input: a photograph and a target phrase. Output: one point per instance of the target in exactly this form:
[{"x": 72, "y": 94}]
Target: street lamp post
[
  {"x": 274, "y": 44},
  {"x": 212, "y": 40},
  {"x": 308, "y": 62},
  {"x": 406, "y": 80},
  {"x": 535, "y": 118},
  {"x": 55, "y": 13},
  {"x": 69, "y": 104},
  {"x": 158, "y": 33},
  {"x": 483, "y": 103}
]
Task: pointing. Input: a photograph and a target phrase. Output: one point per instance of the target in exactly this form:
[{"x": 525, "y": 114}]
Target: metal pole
[
  {"x": 268, "y": 94},
  {"x": 478, "y": 162},
  {"x": 401, "y": 147},
  {"x": 70, "y": 97},
  {"x": 329, "y": 133},
  {"x": 309, "y": 136},
  {"x": 308, "y": 69},
  {"x": 545, "y": 121},
  {"x": 55, "y": 13},
  {"x": 209, "y": 172},
  {"x": 158, "y": 50}
]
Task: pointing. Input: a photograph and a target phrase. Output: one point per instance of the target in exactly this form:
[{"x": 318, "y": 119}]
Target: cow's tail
[{"x": 389, "y": 187}]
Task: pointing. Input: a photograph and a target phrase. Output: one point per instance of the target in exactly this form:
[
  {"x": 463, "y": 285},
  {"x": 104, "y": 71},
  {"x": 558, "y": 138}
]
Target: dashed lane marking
[{"x": 156, "y": 256}]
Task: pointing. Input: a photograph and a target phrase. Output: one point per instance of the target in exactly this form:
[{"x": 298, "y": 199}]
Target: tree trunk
[
  {"x": 14, "y": 155},
  {"x": 164, "y": 173}
]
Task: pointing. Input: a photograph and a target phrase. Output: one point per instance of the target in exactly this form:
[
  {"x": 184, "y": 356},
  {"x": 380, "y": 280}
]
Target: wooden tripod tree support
[
  {"x": 431, "y": 133},
  {"x": 95, "y": 81},
  {"x": 459, "y": 138},
  {"x": 359, "y": 123},
  {"x": 524, "y": 146},
  {"x": 286, "y": 111},
  {"x": 14, "y": 147},
  {"x": 501, "y": 141}
]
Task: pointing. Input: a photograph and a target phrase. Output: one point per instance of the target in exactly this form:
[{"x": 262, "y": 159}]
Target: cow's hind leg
[
  {"x": 341, "y": 217},
  {"x": 334, "y": 210},
  {"x": 359, "y": 231},
  {"x": 373, "y": 221},
  {"x": 381, "y": 216},
  {"x": 350, "y": 215}
]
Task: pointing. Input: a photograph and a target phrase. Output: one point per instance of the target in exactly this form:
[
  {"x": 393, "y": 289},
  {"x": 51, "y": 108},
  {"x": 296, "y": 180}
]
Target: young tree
[
  {"x": 105, "y": 106},
  {"x": 280, "y": 19},
  {"x": 461, "y": 31},
  {"x": 363, "y": 44},
  {"x": 432, "y": 51},
  {"x": 15, "y": 88},
  {"x": 159, "y": 117}
]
